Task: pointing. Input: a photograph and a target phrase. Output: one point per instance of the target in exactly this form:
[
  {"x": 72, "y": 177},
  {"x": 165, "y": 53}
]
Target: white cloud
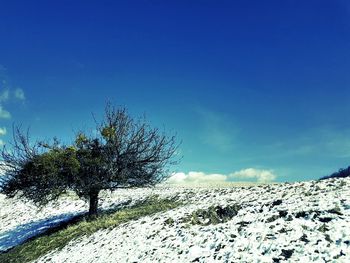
[
  {"x": 245, "y": 175},
  {"x": 19, "y": 94},
  {"x": 3, "y": 131},
  {"x": 2, "y": 143},
  {"x": 4, "y": 114},
  {"x": 251, "y": 173},
  {"x": 4, "y": 95},
  {"x": 196, "y": 178}
]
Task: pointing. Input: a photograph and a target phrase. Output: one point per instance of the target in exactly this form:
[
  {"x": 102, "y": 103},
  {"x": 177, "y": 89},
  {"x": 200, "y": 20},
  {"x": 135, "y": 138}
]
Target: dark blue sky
[{"x": 254, "y": 84}]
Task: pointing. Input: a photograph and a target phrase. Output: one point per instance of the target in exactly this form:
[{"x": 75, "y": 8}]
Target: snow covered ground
[{"x": 299, "y": 222}]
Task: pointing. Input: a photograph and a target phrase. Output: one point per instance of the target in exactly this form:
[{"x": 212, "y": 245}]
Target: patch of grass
[
  {"x": 213, "y": 215},
  {"x": 42, "y": 245}
]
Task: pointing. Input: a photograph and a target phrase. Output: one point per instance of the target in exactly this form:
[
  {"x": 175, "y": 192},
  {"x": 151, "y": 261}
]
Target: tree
[
  {"x": 124, "y": 153},
  {"x": 342, "y": 173}
]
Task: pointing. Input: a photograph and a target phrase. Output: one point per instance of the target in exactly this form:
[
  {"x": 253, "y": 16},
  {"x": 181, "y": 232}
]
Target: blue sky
[{"x": 260, "y": 85}]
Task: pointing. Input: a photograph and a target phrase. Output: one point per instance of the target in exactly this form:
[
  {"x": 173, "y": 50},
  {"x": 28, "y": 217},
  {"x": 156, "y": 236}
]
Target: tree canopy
[{"x": 125, "y": 152}]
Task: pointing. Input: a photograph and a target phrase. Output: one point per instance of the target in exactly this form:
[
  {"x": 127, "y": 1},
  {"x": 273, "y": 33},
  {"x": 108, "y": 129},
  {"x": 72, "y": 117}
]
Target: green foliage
[
  {"x": 108, "y": 132},
  {"x": 92, "y": 173},
  {"x": 81, "y": 139},
  {"x": 36, "y": 248},
  {"x": 44, "y": 177}
]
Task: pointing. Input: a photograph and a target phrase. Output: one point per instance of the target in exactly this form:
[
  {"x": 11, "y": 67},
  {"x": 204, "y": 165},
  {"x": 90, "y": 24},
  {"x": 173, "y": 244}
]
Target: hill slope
[{"x": 299, "y": 222}]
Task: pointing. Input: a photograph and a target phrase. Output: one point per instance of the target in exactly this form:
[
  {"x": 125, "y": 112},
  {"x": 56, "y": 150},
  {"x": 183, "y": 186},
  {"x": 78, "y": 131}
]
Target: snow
[
  {"x": 21, "y": 233},
  {"x": 20, "y": 221},
  {"x": 299, "y": 222}
]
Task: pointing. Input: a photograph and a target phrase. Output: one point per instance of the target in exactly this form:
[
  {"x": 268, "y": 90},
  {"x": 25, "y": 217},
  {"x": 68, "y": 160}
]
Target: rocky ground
[{"x": 299, "y": 222}]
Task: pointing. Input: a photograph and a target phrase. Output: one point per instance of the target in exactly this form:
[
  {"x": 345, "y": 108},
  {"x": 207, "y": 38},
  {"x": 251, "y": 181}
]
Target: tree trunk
[{"x": 93, "y": 198}]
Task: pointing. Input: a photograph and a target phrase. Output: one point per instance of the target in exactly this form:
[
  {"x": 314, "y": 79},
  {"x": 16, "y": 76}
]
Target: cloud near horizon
[
  {"x": 251, "y": 173},
  {"x": 247, "y": 175},
  {"x": 196, "y": 177}
]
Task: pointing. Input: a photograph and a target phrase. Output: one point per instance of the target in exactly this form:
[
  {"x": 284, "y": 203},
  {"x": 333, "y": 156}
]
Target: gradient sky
[{"x": 245, "y": 84}]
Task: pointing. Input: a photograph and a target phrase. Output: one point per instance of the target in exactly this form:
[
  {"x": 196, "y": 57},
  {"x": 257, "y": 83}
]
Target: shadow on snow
[
  {"x": 22, "y": 233},
  {"x": 35, "y": 229}
]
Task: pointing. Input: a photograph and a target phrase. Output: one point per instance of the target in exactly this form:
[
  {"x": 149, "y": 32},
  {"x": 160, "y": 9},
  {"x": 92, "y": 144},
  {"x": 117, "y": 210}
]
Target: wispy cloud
[
  {"x": 19, "y": 94},
  {"x": 217, "y": 130},
  {"x": 2, "y": 143},
  {"x": 336, "y": 142},
  {"x": 4, "y": 114},
  {"x": 7, "y": 93},
  {"x": 4, "y": 95},
  {"x": 333, "y": 142},
  {"x": 3, "y": 131},
  {"x": 245, "y": 175}
]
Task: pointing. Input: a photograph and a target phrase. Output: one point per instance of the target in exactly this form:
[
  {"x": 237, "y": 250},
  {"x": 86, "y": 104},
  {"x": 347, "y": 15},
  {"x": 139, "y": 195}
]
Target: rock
[
  {"x": 323, "y": 228},
  {"x": 339, "y": 255},
  {"x": 328, "y": 238},
  {"x": 242, "y": 224},
  {"x": 301, "y": 214},
  {"x": 335, "y": 210},
  {"x": 287, "y": 253},
  {"x": 282, "y": 230},
  {"x": 276, "y": 202},
  {"x": 169, "y": 221},
  {"x": 214, "y": 215},
  {"x": 325, "y": 219},
  {"x": 270, "y": 237},
  {"x": 218, "y": 247},
  {"x": 272, "y": 218},
  {"x": 304, "y": 238},
  {"x": 289, "y": 218},
  {"x": 283, "y": 213}
]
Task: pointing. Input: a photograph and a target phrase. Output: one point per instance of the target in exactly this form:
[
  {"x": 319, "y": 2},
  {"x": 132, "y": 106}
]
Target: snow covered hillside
[{"x": 299, "y": 222}]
